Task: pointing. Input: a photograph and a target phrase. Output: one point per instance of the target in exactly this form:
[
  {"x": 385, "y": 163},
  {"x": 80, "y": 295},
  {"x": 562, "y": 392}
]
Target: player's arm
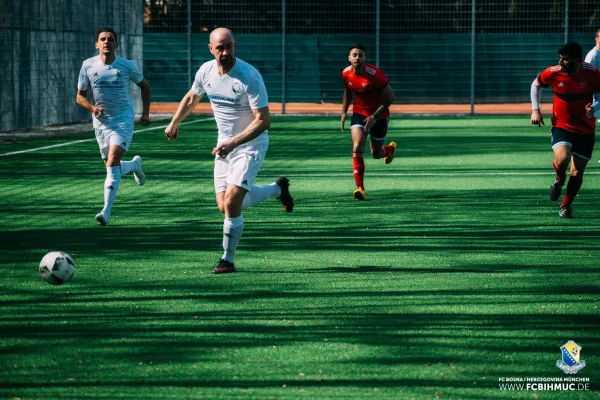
[
  {"x": 536, "y": 114},
  {"x": 145, "y": 89},
  {"x": 83, "y": 101},
  {"x": 261, "y": 122},
  {"x": 187, "y": 104},
  {"x": 346, "y": 100},
  {"x": 388, "y": 98}
]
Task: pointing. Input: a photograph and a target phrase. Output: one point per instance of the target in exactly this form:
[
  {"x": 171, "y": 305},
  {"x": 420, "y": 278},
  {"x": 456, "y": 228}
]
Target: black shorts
[
  {"x": 377, "y": 132},
  {"x": 581, "y": 144}
]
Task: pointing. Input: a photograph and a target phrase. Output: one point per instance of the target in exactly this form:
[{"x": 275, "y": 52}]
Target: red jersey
[
  {"x": 366, "y": 89},
  {"x": 571, "y": 95}
]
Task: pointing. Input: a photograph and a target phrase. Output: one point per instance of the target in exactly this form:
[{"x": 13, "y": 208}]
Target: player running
[
  {"x": 573, "y": 126},
  {"x": 372, "y": 97},
  {"x": 108, "y": 75},
  {"x": 239, "y": 101}
]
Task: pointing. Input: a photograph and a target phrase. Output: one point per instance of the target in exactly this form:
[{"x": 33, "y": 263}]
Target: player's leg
[
  {"x": 135, "y": 165},
  {"x": 583, "y": 146},
  {"x": 359, "y": 138},
  {"x": 378, "y": 134},
  {"x": 561, "y": 147},
  {"x": 112, "y": 182},
  {"x": 259, "y": 193},
  {"x": 238, "y": 172},
  {"x": 233, "y": 228},
  {"x": 220, "y": 181}
]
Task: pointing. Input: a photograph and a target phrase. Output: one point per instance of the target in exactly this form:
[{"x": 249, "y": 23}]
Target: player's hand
[
  {"x": 224, "y": 148},
  {"x": 537, "y": 118},
  {"x": 370, "y": 122},
  {"x": 589, "y": 111},
  {"x": 144, "y": 120},
  {"x": 344, "y": 116},
  {"x": 172, "y": 131},
  {"x": 98, "y": 111}
]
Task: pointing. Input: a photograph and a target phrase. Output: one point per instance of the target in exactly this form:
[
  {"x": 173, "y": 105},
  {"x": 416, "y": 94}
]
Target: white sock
[
  {"x": 111, "y": 186},
  {"x": 232, "y": 233},
  {"x": 127, "y": 167},
  {"x": 260, "y": 193}
]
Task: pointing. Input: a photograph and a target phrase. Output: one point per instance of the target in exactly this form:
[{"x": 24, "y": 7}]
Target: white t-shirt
[
  {"x": 110, "y": 89},
  {"x": 593, "y": 57},
  {"x": 232, "y": 96}
]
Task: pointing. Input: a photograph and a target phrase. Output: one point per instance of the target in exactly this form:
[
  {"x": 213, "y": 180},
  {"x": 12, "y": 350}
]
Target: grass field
[{"x": 456, "y": 272}]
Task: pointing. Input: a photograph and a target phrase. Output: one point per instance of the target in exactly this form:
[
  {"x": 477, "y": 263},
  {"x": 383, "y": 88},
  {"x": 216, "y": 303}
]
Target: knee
[{"x": 577, "y": 173}]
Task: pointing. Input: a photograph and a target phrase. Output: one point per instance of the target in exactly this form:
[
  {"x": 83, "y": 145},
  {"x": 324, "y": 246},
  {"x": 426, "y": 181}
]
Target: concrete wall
[{"x": 43, "y": 44}]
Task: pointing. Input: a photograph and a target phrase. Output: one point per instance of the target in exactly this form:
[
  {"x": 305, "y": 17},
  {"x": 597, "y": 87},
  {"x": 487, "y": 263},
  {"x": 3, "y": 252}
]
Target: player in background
[
  {"x": 593, "y": 57},
  {"x": 108, "y": 75},
  {"x": 239, "y": 101},
  {"x": 372, "y": 97},
  {"x": 573, "y": 125}
]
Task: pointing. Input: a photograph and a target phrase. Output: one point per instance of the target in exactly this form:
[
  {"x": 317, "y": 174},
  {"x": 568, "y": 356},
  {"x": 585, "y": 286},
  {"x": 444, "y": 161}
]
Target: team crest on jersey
[
  {"x": 119, "y": 74},
  {"x": 235, "y": 88}
]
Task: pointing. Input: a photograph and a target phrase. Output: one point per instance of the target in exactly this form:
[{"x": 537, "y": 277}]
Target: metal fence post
[
  {"x": 283, "y": 60},
  {"x": 189, "y": 43},
  {"x": 566, "y": 21},
  {"x": 473, "y": 57},
  {"x": 377, "y": 32}
]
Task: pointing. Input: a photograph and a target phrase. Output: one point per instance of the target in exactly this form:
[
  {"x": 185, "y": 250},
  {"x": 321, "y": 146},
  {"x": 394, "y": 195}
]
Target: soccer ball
[{"x": 57, "y": 267}]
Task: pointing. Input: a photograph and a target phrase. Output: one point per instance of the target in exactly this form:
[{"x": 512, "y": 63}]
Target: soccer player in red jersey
[
  {"x": 573, "y": 126},
  {"x": 372, "y": 97}
]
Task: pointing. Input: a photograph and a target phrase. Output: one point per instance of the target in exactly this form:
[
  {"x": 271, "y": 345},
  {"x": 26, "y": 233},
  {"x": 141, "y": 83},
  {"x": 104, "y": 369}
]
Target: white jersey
[
  {"x": 232, "y": 96},
  {"x": 110, "y": 90},
  {"x": 593, "y": 57}
]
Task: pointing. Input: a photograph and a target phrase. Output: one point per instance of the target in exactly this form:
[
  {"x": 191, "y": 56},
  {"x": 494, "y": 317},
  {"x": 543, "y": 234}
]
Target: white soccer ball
[{"x": 57, "y": 267}]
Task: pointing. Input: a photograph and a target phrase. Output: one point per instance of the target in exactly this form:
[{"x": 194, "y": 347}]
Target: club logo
[
  {"x": 570, "y": 363},
  {"x": 119, "y": 74},
  {"x": 235, "y": 88}
]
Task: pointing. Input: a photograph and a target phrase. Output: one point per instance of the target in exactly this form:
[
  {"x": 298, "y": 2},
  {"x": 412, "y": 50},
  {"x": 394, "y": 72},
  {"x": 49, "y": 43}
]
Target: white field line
[{"x": 92, "y": 139}]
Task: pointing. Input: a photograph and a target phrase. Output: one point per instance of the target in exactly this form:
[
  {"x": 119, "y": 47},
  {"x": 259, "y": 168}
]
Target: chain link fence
[
  {"x": 44, "y": 43},
  {"x": 434, "y": 52},
  {"x": 440, "y": 52}
]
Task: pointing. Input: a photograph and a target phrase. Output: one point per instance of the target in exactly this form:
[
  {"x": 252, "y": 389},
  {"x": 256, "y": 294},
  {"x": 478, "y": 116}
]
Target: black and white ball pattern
[{"x": 57, "y": 267}]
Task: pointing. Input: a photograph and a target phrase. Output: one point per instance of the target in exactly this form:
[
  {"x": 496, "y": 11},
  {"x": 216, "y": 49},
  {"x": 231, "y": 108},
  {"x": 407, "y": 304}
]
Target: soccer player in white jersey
[
  {"x": 239, "y": 101},
  {"x": 593, "y": 57},
  {"x": 112, "y": 112}
]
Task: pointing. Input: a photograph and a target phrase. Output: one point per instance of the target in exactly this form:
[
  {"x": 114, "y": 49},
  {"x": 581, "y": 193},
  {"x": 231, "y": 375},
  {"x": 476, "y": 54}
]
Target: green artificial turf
[{"x": 454, "y": 273}]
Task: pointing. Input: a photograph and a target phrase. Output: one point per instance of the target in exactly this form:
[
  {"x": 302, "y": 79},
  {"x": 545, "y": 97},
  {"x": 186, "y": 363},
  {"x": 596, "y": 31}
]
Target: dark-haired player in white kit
[
  {"x": 239, "y": 101},
  {"x": 112, "y": 112}
]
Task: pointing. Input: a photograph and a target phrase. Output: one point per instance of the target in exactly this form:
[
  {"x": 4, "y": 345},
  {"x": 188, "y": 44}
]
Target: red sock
[
  {"x": 387, "y": 150},
  {"x": 562, "y": 177},
  {"x": 572, "y": 190},
  {"x": 358, "y": 163}
]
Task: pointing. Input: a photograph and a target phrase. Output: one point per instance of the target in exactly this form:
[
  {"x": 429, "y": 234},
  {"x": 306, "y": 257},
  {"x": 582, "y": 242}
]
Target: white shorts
[
  {"x": 240, "y": 167},
  {"x": 108, "y": 137}
]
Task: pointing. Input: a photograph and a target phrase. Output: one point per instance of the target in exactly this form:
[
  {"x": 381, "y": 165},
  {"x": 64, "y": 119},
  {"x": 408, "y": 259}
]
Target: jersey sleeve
[
  {"x": 257, "y": 92},
  {"x": 83, "y": 82},
  {"x": 545, "y": 78},
  {"x": 379, "y": 79},
  {"x": 197, "y": 86},
  {"x": 591, "y": 57},
  {"x": 596, "y": 82},
  {"x": 134, "y": 73}
]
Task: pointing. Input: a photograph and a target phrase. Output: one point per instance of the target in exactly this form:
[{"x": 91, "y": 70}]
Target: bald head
[
  {"x": 221, "y": 34},
  {"x": 222, "y": 47}
]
